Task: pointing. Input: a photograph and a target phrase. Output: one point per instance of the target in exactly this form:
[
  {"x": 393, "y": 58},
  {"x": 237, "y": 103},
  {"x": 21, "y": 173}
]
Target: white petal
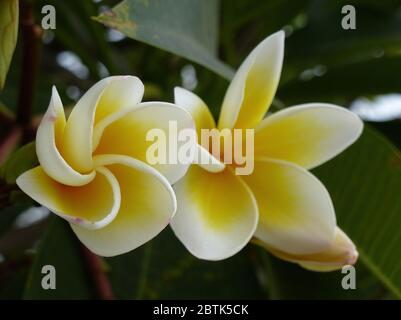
[
  {"x": 77, "y": 139},
  {"x": 203, "y": 120},
  {"x": 207, "y": 161},
  {"x": 196, "y": 107},
  {"x": 295, "y": 209},
  {"x": 127, "y": 135},
  {"x": 341, "y": 252},
  {"x": 308, "y": 134},
  {"x": 147, "y": 205},
  {"x": 92, "y": 205},
  {"x": 254, "y": 85},
  {"x": 216, "y": 214},
  {"x": 121, "y": 93}
]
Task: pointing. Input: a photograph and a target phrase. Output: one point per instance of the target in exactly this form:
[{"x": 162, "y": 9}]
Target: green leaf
[
  {"x": 8, "y": 35},
  {"x": 59, "y": 248},
  {"x": 164, "y": 269},
  {"x": 366, "y": 195},
  {"x": 185, "y": 28},
  {"x": 20, "y": 161}
]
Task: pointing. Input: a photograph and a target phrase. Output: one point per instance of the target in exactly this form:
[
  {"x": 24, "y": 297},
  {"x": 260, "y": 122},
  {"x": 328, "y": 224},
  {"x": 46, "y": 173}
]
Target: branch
[
  {"x": 95, "y": 268},
  {"x": 31, "y": 44}
]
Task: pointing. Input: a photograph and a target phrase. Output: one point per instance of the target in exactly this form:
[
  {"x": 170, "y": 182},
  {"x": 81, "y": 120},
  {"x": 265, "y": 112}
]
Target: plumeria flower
[
  {"x": 281, "y": 204},
  {"x": 93, "y": 170}
]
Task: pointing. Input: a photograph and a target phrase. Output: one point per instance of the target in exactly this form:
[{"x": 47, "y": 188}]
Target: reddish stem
[
  {"x": 95, "y": 268},
  {"x": 8, "y": 143}
]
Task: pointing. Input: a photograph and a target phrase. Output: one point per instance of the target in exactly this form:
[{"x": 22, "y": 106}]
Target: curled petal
[
  {"x": 129, "y": 135},
  {"x": 340, "y": 253},
  {"x": 91, "y": 206},
  {"x": 147, "y": 205},
  {"x": 121, "y": 93},
  {"x": 118, "y": 98},
  {"x": 104, "y": 98},
  {"x": 254, "y": 85},
  {"x": 216, "y": 214},
  {"x": 48, "y": 140},
  {"x": 308, "y": 134},
  {"x": 295, "y": 209}
]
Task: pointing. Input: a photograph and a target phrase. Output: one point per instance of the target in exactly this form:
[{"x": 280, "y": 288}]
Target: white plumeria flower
[
  {"x": 93, "y": 169},
  {"x": 281, "y": 203}
]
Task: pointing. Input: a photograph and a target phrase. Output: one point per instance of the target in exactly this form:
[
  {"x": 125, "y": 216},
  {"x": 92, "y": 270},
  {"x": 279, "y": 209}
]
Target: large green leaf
[
  {"x": 186, "y": 28},
  {"x": 8, "y": 35},
  {"x": 164, "y": 269},
  {"x": 59, "y": 248},
  {"x": 366, "y": 194}
]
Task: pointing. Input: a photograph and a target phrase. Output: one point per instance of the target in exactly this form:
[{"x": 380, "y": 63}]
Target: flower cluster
[{"x": 95, "y": 174}]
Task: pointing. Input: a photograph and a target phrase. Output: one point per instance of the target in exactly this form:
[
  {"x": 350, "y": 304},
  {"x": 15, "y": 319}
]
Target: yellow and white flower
[
  {"x": 281, "y": 203},
  {"x": 93, "y": 169}
]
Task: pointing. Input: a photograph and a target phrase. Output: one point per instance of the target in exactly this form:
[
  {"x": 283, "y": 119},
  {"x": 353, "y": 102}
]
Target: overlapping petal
[
  {"x": 48, "y": 141},
  {"x": 296, "y": 214},
  {"x": 105, "y": 97},
  {"x": 127, "y": 135},
  {"x": 207, "y": 161},
  {"x": 121, "y": 93},
  {"x": 340, "y": 253},
  {"x": 308, "y": 134},
  {"x": 92, "y": 205},
  {"x": 147, "y": 205},
  {"x": 203, "y": 120},
  {"x": 254, "y": 85},
  {"x": 216, "y": 214}
]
